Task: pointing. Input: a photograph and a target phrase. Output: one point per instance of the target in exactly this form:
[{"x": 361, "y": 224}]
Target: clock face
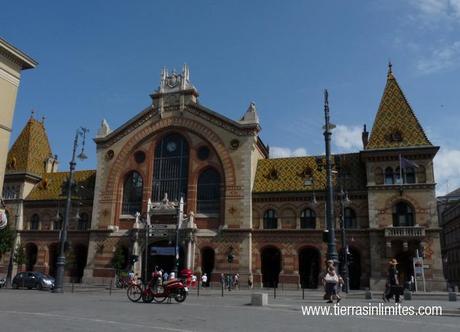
[{"x": 171, "y": 147}]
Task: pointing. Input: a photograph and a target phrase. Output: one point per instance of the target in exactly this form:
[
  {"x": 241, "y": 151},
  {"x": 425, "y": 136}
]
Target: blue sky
[{"x": 102, "y": 59}]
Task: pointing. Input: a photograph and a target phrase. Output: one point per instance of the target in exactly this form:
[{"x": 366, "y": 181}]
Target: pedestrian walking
[
  {"x": 204, "y": 280},
  {"x": 236, "y": 281},
  {"x": 331, "y": 282},
  {"x": 392, "y": 287},
  {"x": 165, "y": 276},
  {"x": 194, "y": 281},
  {"x": 250, "y": 281}
]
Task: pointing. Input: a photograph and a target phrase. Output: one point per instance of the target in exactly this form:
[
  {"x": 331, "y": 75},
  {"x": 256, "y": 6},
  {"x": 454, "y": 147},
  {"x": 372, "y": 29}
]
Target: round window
[
  {"x": 203, "y": 153},
  {"x": 139, "y": 157}
]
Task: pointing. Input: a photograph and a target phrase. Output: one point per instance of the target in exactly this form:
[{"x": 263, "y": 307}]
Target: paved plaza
[{"x": 97, "y": 310}]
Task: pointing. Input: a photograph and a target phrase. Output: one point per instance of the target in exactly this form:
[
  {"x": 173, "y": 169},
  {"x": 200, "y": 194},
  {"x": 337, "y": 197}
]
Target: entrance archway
[
  {"x": 354, "y": 269},
  {"x": 163, "y": 258},
  {"x": 53, "y": 253},
  {"x": 31, "y": 256},
  {"x": 207, "y": 262},
  {"x": 405, "y": 267},
  {"x": 271, "y": 266},
  {"x": 309, "y": 266},
  {"x": 81, "y": 253}
]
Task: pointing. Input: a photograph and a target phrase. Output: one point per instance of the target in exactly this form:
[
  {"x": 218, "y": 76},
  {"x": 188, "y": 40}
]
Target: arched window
[
  {"x": 132, "y": 193},
  {"x": 349, "y": 218},
  {"x": 409, "y": 175},
  {"x": 378, "y": 175},
  {"x": 57, "y": 224},
  {"x": 270, "y": 219},
  {"x": 34, "y": 222},
  {"x": 170, "y": 168},
  {"x": 403, "y": 215},
  {"x": 307, "y": 219},
  {"x": 83, "y": 222},
  {"x": 208, "y": 198},
  {"x": 397, "y": 175},
  {"x": 389, "y": 175}
]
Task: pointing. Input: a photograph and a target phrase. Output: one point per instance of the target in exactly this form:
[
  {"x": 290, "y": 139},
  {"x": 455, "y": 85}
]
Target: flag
[{"x": 406, "y": 163}]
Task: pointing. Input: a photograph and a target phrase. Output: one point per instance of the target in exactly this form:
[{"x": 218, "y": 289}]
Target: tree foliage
[
  {"x": 20, "y": 255},
  {"x": 118, "y": 259},
  {"x": 6, "y": 240}
]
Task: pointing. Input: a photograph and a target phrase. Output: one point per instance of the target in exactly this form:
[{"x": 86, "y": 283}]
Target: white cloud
[
  {"x": 281, "y": 152},
  {"x": 347, "y": 138},
  {"x": 447, "y": 170},
  {"x": 442, "y": 58},
  {"x": 437, "y": 9}
]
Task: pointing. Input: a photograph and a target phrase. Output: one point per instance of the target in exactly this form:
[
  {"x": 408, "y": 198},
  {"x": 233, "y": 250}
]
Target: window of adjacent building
[
  {"x": 308, "y": 219},
  {"x": 170, "y": 168},
  {"x": 34, "y": 222},
  {"x": 389, "y": 179},
  {"x": 208, "y": 197},
  {"x": 350, "y": 219},
  {"x": 378, "y": 175},
  {"x": 270, "y": 219},
  {"x": 83, "y": 222},
  {"x": 403, "y": 215},
  {"x": 132, "y": 193}
]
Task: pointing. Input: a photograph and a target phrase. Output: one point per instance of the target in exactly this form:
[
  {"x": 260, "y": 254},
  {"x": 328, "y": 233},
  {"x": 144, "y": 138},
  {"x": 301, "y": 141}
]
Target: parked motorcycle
[
  {"x": 161, "y": 291},
  {"x": 2, "y": 282}
]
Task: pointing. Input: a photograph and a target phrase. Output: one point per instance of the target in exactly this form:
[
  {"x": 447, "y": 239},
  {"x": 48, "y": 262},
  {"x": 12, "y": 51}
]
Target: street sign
[{"x": 163, "y": 226}]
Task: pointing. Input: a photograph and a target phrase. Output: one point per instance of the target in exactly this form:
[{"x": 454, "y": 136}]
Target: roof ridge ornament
[
  {"x": 390, "y": 69},
  {"x": 251, "y": 115}
]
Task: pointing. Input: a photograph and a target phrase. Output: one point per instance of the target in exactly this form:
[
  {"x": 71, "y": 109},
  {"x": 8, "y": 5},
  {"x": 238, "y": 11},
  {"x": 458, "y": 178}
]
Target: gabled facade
[{"x": 267, "y": 213}]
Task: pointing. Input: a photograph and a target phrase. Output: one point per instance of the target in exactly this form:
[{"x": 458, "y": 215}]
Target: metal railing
[{"x": 404, "y": 232}]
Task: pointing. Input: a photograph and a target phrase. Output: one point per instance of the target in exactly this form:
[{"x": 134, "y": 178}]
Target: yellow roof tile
[
  {"x": 395, "y": 124},
  {"x": 52, "y": 186},
  {"x": 289, "y": 174},
  {"x": 30, "y": 150}
]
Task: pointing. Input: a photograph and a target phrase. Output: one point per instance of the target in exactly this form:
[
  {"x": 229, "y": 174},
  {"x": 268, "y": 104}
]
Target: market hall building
[{"x": 268, "y": 213}]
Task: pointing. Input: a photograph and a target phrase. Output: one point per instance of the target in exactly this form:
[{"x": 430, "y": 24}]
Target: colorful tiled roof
[
  {"x": 289, "y": 174},
  {"x": 30, "y": 150},
  {"x": 53, "y": 186},
  {"x": 395, "y": 124}
]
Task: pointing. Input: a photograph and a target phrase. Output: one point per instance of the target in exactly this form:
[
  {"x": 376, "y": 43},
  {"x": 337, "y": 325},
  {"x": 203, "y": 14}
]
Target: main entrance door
[
  {"x": 271, "y": 266},
  {"x": 309, "y": 264}
]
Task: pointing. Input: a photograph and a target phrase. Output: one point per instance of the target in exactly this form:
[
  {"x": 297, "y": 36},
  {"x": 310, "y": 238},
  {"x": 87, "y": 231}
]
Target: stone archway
[
  {"x": 354, "y": 269},
  {"x": 31, "y": 256},
  {"x": 207, "y": 262},
  {"x": 270, "y": 265},
  {"x": 52, "y": 256},
  {"x": 81, "y": 253},
  {"x": 309, "y": 267},
  {"x": 163, "y": 258}
]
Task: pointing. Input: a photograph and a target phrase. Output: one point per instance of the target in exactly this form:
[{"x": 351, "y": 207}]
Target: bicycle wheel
[
  {"x": 134, "y": 293},
  {"x": 147, "y": 295},
  {"x": 159, "y": 294}
]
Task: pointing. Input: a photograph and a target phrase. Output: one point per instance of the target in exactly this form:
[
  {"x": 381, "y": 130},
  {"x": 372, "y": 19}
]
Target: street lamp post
[
  {"x": 60, "y": 262},
  {"x": 344, "y": 201},
  {"x": 9, "y": 273},
  {"x": 331, "y": 247},
  {"x": 180, "y": 217}
]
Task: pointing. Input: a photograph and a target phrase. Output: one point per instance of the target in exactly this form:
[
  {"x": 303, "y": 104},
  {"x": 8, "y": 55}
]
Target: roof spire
[
  {"x": 43, "y": 119},
  {"x": 390, "y": 69},
  {"x": 32, "y": 112}
]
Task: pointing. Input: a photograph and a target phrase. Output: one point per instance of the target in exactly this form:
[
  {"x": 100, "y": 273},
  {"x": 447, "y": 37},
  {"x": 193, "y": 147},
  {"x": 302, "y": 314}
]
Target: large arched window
[
  {"x": 270, "y": 219},
  {"x": 170, "y": 168},
  {"x": 132, "y": 193},
  {"x": 83, "y": 222},
  {"x": 208, "y": 198},
  {"x": 403, "y": 215},
  {"x": 34, "y": 222},
  {"x": 409, "y": 175},
  {"x": 350, "y": 218},
  {"x": 307, "y": 219},
  {"x": 389, "y": 175}
]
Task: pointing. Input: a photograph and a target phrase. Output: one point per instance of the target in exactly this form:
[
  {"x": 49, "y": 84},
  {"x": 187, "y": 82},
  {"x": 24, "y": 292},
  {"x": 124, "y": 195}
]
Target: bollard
[
  {"x": 222, "y": 288},
  {"x": 452, "y": 296},
  {"x": 72, "y": 287},
  {"x": 368, "y": 294},
  {"x": 274, "y": 292},
  {"x": 110, "y": 287},
  {"x": 198, "y": 289},
  {"x": 407, "y": 295},
  {"x": 259, "y": 299},
  {"x": 303, "y": 293}
]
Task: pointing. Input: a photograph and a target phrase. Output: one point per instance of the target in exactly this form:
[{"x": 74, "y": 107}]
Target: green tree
[
  {"x": 6, "y": 240},
  {"x": 20, "y": 255},
  {"x": 118, "y": 259}
]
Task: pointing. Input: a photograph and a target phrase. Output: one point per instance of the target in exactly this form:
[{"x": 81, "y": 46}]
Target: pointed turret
[
  {"x": 31, "y": 152},
  {"x": 251, "y": 114},
  {"x": 395, "y": 124},
  {"x": 104, "y": 129}
]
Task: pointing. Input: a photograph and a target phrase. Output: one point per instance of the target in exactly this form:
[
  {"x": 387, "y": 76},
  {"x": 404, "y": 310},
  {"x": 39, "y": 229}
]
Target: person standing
[
  {"x": 236, "y": 281},
  {"x": 331, "y": 282},
  {"x": 392, "y": 288},
  {"x": 250, "y": 281},
  {"x": 204, "y": 280}
]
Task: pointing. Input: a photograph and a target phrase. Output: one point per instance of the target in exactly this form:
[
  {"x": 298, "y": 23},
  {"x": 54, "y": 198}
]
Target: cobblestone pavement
[{"x": 31, "y": 310}]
